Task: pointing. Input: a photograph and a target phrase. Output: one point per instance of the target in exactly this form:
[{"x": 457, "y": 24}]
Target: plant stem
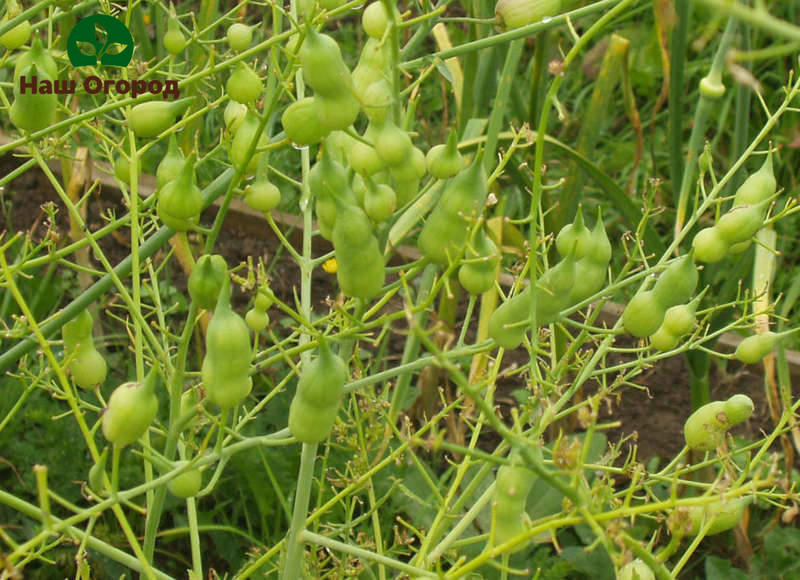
[
  {"x": 757, "y": 17},
  {"x": 294, "y": 553},
  {"x": 680, "y": 35},
  {"x": 704, "y": 107},
  {"x": 501, "y": 100}
]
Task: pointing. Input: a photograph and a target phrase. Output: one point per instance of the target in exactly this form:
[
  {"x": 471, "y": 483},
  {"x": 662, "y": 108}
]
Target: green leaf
[
  {"x": 444, "y": 71},
  {"x": 595, "y": 564},
  {"x": 87, "y": 48},
  {"x": 721, "y": 569}
]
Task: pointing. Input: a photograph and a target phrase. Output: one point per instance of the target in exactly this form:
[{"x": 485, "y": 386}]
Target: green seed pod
[
  {"x": 406, "y": 191},
  {"x": 336, "y": 113},
  {"x": 263, "y": 196},
  {"x": 18, "y": 35},
  {"x": 77, "y": 329},
  {"x": 361, "y": 271},
  {"x": 600, "y": 252},
  {"x": 413, "y": 169},
  {"x": 512, "y": 486},
  {"x": 636, "y": 570},
  {"x": 758, "y": 187},
  {"x": 680, "y": 319},
  {"x": 708, "y": 246},
  {"x": 187, "y": 484},
  {"x": 154, "y": 117},
  {"x": 705, "y": 429},
  {"x": 663, "y": 340},
  {"x": 172, "y": 164},
  {"x": 234, "y": 114},
  {"x": 319, "y": 391},
  {"x": 380, "y": 200},
  {"x": 575, "y": 234},
  {"x": 738, "y": 408},
  {"x": 479, "y": 271},
  {"x": 226, "y": 367},
  {"x": 504, "y": 324},
  {"x": 754, "y": 348},
  {"x": 677, "y": 283},
  {"x": 741, "y": 223},
  {"x": 244, "y": 85},
  {"x": 375, "y": 20},
  {"x": 553, "y": 289},
  {"x": 301, "y": 123},
  {"x": 180, "y": 201},
  {"x": 239, "y": 36},
  {"x": 130, "y": 411},
  {"x": 376, "y": 100},
  {"x": 264, "y": 299},
  {"x": 444, "y": 234},
  {"x": 256, "y": 319},
  {"x": 593, "y": 267},
  {"x": 510, "y": 14},
  {"x": 327, "y": 180},
  {"x": 38, "y": 55},
  {"x": 444, "y": 160},
  {"x": 392, "y": 144},
  {"x": 174, "y": 40},
  {"x": 97, "y": 473},
  {"x": 207, "y": 279},
  {"x": 29, "y": 111},
  {"x": 323, "y": 67},
  {"x": 591, "y": 279},
  {"x": 122, "y": 169},
  {"x": 726, "y": 513},
  {"x": 87, "y": 366},
  {"x": 643, "y": 315},
  {"x": 739, "y": 248},
  {"x": 242, "y": 141},
  {"x": 363, "y": 158}
]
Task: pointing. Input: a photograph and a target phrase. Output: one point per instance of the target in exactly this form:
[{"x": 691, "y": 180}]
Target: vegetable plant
[{"x": 361, "y": 290}]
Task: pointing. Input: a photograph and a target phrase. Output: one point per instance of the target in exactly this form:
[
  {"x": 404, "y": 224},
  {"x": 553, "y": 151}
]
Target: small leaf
[
  {"x": 721, "y": 569},
  {"x": 444, "y": 71},
  {"x": 100, "y": 34},
  {"x": 116, "y": 48},
  {"x": 87, "y": 48}
]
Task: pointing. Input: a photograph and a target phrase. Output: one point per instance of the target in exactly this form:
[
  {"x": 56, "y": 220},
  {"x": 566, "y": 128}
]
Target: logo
[{"x": 100, "y": 37}]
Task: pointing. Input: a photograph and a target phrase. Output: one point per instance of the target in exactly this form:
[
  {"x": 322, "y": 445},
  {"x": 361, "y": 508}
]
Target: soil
[{"x": 652, "y": 415}]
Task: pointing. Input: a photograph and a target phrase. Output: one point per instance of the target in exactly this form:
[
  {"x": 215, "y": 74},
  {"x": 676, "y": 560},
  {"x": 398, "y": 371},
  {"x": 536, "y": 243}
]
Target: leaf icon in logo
[
  {"x": 87, "y": 48},
  {"x": 100, "y": 36}
]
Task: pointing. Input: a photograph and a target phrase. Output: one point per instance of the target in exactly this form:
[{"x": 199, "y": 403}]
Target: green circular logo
[{"x": 102, "y": 38}]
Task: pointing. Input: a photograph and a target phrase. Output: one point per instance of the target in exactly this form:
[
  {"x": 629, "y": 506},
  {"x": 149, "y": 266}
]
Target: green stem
[
  {"x": 364, "y": 554},
  {"x": 411, "y": 347},
  {"x": 757, "y": 17},
  {"x": 294, "y": 552},
  {"x": 741, "y": 128},
  {"x": 704, "y": 107},
  {"x": 521, "y": 32},
  {"x": 92, "y": 542},
  {"x": 680, "y": 36},
  {"x": 507, "y": 77}
]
